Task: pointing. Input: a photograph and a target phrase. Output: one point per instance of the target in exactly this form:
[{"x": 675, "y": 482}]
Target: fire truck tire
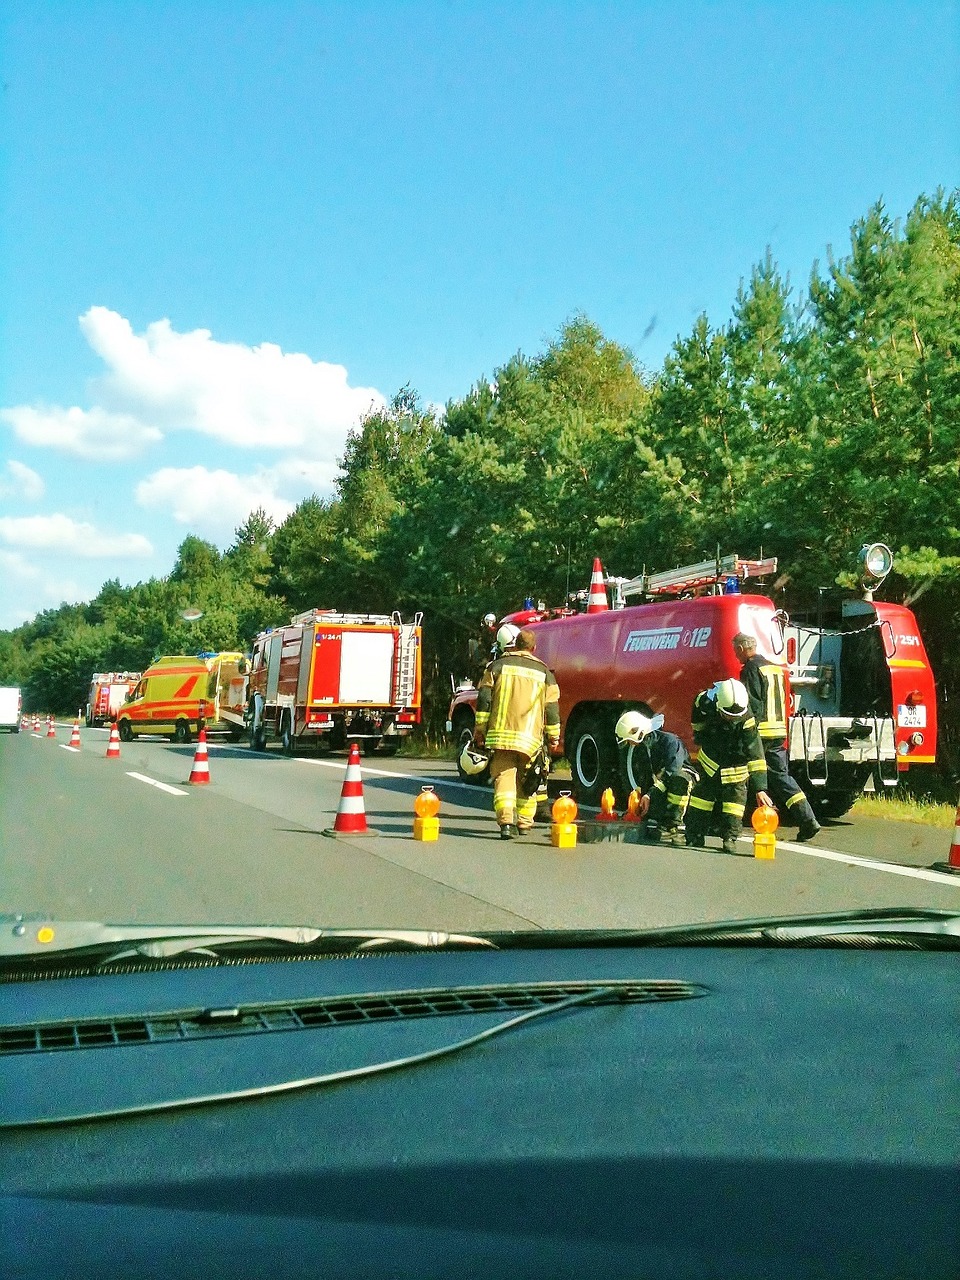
[
  {"x": 287, "y": 740},
  {"x": 591, "y": 750},
  {"x": 181, "y": 732},
  {"x": 388, "y": 746},
  {"x": 125, "y": 731},
  {"x": 834, "y": 804}
]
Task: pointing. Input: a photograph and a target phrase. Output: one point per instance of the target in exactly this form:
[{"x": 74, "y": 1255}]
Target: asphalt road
[{"x": 87, "y": 838}]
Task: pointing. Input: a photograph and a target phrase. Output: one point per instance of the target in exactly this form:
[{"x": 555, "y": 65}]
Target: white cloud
[
  {"x": 211, "y": 502},
  {"x": 89, "y": 433},
  {"x": 162, "y": 381},
  {"x": 247, "y": 396},
  {"x": 29, "y": 590},
  {"x": 59, "y": 533},
  {"x": 21, "y": 481}
]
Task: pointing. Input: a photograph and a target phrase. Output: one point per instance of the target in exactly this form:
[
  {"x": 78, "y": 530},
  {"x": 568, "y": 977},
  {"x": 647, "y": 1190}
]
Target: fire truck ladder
[
  {"x": 879, "y": 723},
  {"x": 406, "y": 661},
  {"x": 806, "y": 735},
  {"x": 693, "y": 577}
]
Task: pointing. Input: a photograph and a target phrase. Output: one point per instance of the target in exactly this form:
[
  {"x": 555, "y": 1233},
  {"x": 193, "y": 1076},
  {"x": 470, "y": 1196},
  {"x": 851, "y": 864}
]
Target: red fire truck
[
  {"x": 862, "y": 692},
  {"x": 108, "y": 690},
  {"x": 334, "y": 678}
]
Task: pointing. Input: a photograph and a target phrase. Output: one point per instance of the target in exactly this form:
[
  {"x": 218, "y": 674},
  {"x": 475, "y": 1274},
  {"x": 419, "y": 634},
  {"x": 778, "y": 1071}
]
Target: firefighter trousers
[
  {"x": 706, "y": 795},
  {"x": 668, "y": 799},
  {"x": 784, "y": 791},
  {"x": 511, "y": 808}
]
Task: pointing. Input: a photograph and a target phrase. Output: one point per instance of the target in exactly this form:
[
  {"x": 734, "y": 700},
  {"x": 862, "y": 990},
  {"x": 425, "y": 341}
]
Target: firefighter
[
  {"x": 730, "y": 758},
  {"x": 663, "y": 766},
  {"x": 766, "y": 691},
  {"x": 518, "y": 706}
]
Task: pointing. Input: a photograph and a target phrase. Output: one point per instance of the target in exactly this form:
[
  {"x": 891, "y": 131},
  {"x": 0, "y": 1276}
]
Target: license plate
[{"x": 912, "y": 717}]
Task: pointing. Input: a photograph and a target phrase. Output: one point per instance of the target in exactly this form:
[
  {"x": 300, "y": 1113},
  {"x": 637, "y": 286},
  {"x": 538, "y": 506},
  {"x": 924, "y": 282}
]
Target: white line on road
[
  {"x": 152, "y": 782},
  {"x": 64, "y": 747},
  {"x": 895, "y": 869},
  {"x": 391, "y": 773}
]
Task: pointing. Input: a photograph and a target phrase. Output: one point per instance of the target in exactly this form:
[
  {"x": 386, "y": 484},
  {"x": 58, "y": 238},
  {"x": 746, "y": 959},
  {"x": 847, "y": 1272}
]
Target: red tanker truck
[{"x": 863, "y": 700}]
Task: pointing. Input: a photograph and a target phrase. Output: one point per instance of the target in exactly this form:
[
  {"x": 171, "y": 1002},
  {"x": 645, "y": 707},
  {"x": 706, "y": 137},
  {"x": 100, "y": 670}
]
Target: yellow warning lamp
[
  {"x": 563, "y": 829},
  {"x": 426, "y": 806},
  {"x": 564, "y": 808},
  {"x": 607, "y": 811},
  {"x": 764, "y": 822},
  {"x": 427, "y": 803},
  {"x": 633, "y": 807}
]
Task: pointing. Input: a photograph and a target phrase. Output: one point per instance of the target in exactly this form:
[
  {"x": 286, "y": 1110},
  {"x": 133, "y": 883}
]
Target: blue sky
[{"x": 228, "y": 229}]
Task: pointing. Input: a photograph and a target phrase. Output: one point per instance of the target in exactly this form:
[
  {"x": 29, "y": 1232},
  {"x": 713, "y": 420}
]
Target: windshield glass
[{"x": 477, "y": 470}]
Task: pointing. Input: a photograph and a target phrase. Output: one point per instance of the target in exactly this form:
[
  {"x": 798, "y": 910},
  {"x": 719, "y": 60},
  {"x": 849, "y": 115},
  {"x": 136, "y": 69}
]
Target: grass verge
[{"x": 905, "y": 809}]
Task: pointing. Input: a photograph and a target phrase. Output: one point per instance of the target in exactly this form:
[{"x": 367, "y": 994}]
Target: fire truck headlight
[{"x": 875, "y": 561}]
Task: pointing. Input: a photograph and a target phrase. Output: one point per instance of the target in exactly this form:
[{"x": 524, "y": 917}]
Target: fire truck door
[
  {"x": 366, "y": 667},
  {"x": 303, "y": 673},
  {"x": 274, "y": 647}
]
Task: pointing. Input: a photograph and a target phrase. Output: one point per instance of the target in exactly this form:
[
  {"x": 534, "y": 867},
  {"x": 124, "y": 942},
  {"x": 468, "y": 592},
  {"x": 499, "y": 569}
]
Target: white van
[{"x": 11, "y": 704}]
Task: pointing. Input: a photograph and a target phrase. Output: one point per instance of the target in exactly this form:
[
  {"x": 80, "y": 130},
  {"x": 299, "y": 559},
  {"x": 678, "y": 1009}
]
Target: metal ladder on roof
[{"x": 406, "y": 665}]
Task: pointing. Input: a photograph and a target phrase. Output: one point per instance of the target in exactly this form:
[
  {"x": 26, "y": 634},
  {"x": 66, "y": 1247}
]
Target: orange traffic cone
[
  {"x": 36, "y": 724},
  {"x": 200, "y": 773},
  {"x": 51, "y": 728},
  {"x": 597, "y": 601},
  {"x": 75, "y": 735},
  {"x": 351, "y": 817},
  {"x": 113, "y": 746},
  {"x": 953, "y": 862}
]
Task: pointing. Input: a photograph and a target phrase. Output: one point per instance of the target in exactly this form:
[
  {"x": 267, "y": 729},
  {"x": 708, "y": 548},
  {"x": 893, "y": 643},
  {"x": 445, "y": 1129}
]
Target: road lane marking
[
  {"x": 64, "y": 747},
  {"x": 390, "y": 773},
  {"x": 894, "y": 868},
  {"x": 152, "y": 782}
]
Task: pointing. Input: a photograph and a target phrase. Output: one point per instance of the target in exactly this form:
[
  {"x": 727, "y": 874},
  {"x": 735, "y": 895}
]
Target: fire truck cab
[{"x": 861, "y": 692}]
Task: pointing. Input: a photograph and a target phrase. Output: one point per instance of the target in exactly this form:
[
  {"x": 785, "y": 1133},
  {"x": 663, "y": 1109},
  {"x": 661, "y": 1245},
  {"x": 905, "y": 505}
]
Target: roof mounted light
[{"x": 874, "y": 563}]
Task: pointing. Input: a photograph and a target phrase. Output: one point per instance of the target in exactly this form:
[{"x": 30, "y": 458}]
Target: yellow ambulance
[{"x": 174, "y": 693}]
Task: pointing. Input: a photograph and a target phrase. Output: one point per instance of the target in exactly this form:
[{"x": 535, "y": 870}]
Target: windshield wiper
[
  {"x": 23, "y": 937},
  {"x": 924, "y": 928}
]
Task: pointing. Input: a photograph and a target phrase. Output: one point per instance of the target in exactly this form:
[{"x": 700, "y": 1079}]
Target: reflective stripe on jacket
[
  {"x": 767, "y": 691},
  {"x": 733, "y": 747},
  {"x": 518, "y": 703}
]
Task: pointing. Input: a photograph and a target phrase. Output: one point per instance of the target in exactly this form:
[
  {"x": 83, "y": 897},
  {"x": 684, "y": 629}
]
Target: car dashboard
[{"x": 672, "y": 1112}]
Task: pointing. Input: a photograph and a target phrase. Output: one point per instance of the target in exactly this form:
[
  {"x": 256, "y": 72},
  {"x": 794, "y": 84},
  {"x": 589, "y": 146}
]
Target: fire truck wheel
[
  {"x": 591, "y": 750},
  {"x": 388, "y": 746},
  {"x": 126, "y": 733},
  {"x": 287, "y": 740},
  {"x": 834, "y": 804},
  {"x": 182, "y": 732}
]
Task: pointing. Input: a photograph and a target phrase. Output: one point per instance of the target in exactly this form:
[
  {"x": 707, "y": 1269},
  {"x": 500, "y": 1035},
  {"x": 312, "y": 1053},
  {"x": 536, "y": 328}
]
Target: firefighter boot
[
  {"x": 509, "y": 831},
  {"x": 809, "y": 829},
  {"x": 695, "y": 837}
]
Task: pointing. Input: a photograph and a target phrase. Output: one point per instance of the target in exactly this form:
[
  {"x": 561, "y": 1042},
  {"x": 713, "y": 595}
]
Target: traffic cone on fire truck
[{"x": 597, "y": 600}]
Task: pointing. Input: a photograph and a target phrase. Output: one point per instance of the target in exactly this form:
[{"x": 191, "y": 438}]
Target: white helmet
[
  {"x": 731, "y": 698},
  {"x": 473, "y": 760},
  {"x": 634, "y": 726},
  {"x": 507, "y": 635}
]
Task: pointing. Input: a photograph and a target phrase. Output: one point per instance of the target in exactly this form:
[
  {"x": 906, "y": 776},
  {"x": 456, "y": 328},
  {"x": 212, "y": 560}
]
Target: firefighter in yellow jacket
[{"x": 518, "y": 706}]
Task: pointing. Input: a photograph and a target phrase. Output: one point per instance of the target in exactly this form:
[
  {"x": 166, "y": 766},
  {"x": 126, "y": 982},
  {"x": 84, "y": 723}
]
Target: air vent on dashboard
[{"x": 331, "y": 1012}]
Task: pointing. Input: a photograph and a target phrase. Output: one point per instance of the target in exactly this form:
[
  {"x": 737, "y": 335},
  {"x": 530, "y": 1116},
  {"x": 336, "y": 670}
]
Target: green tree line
[{"x": 810, "y": 422}]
